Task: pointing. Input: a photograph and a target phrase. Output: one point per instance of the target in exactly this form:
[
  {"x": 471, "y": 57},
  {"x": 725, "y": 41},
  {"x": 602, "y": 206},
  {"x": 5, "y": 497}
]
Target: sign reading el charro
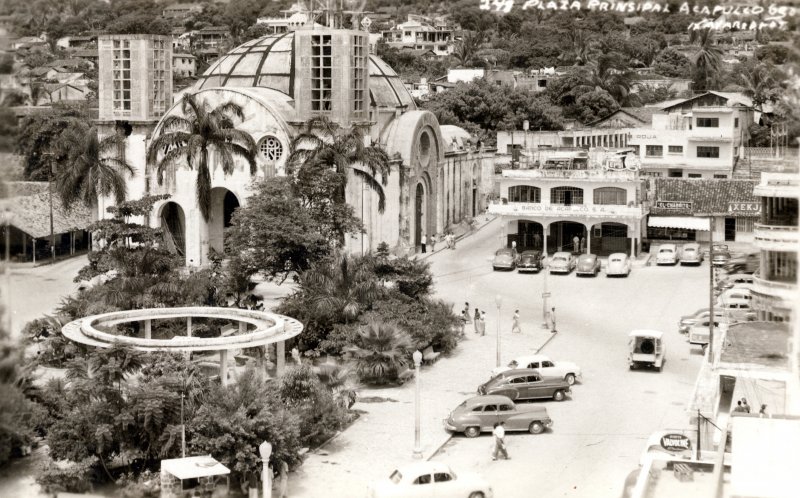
[{"x": 674, "y": 204}]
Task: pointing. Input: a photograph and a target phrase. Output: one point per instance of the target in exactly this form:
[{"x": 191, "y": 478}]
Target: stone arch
[
  {"x": 423, "y": 218},
  {"x": 609, "y": 237},
  {"x": 172, "y": 221},
  {"x": 223, "y": 203},
  {"x": 561, "y": 235}
]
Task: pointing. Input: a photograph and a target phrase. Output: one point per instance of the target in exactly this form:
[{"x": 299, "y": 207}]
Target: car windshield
[
  {"x": 503, "y": 252},
  {"x": 396, "y": 477},
  {"x": 616, "y": 260},
  {"x": 689, "y": 249},
  {"x": 665, "y": 250},
  {"x": 558, "y": 258}
]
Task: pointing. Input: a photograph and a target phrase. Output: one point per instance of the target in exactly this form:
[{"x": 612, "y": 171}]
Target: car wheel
[
  {"x": 536, "y": 428},
  {"x": 472, "y": 431},
  {"x": 476, "y": 494},
  {"x": 632, "y": 366},
  {"x": 558, "y": 395},
  {"x": 494, "y": 268},
  {"x": 705, "y": 347},
  {"x": 570, "y": 378}
]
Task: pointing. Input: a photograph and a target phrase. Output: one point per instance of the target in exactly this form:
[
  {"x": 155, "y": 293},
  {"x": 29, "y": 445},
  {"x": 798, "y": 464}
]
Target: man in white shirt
[{"x": 499, "y": 441}]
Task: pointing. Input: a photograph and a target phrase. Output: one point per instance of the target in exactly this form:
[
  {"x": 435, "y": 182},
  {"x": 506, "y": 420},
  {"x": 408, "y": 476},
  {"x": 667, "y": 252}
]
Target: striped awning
[{"x": 685, "y": 222}]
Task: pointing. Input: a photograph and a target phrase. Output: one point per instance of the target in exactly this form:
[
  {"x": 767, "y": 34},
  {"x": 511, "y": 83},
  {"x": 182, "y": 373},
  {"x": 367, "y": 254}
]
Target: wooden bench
[
  {"x": 429, "y": 355},
  {"x": 683, "y": 472}
]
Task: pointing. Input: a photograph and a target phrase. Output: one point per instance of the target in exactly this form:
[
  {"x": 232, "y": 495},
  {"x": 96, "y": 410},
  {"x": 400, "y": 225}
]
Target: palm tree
[
  {"x": 380, "y": 354},
  {"x": 324, "y": 144},
  {"x": 467, "y": 47},
  {"x": 758, "y": 83},
  {"x": 609, "y": 74},
  {"x": 193, "y": 135},
  {"x": 582, "y": 46},
  {"x": 708, "y": 58},
  {"x": 340, "y": 289},
  {"x": 94, "y": 170}
]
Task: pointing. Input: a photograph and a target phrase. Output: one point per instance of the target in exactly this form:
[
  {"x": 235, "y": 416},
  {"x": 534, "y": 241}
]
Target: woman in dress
[{"x": 515, "y": 328}]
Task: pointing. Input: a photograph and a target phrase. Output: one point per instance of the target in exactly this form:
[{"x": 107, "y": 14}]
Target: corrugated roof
[
  {"x": 708, "y": 196},
  {"x": 31, "y": 213}
]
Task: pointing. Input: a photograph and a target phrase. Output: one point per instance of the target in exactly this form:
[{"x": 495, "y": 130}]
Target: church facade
[{"x": 438, "y": 177}]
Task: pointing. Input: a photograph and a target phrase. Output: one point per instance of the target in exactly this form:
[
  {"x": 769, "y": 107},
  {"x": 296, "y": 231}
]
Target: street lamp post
[
  {"x": 7, "y": 216},
  {"x": 50, "y": 189},
  {"x": 545, "y": 293},
  {"x": 417, "y": 362},
  {"x": 498, "y": 300},
  {"x": 265, "y": 450}
]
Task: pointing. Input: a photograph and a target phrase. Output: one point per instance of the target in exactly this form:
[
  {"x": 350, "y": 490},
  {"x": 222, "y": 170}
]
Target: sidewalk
[{"x": 461, "y": 231}]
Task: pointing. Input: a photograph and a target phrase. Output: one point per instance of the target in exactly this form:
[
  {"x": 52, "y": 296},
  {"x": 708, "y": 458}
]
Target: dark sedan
[
  {"x": 530, "y": 261},
  {"x": 588, "y": 264},
  {"x": 720, "y": 254},
  {"x": 526, "y": 383}
]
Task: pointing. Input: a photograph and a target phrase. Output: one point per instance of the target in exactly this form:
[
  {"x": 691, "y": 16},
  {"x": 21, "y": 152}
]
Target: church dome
[{"x": 269, "y": 62}]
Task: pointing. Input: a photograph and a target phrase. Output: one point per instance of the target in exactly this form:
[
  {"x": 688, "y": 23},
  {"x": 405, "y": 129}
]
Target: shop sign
[
  {"x": 674, "y": 204},
  {"x": 675, "y": 442},
  {"x": 744, "y": 207}
]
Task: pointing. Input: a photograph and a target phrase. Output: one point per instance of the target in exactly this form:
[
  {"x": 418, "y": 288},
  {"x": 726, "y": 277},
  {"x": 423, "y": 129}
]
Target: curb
[
  {"x": 439, "y": 448},
  {"x": 460, "y": 237}
]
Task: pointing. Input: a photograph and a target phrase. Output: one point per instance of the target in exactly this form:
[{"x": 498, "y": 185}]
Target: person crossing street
[{"x": 499, "y": 441}]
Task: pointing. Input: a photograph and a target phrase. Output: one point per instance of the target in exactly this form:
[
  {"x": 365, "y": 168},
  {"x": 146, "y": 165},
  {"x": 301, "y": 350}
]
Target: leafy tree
[
  {"x": 595, "y": 105},
  {"x": 669, "y": 62},
  {"x": 193, "y": 135},
  {"x": 760, "y": 82},
  {"x": 381, "y": 353},
  {"x": 650, "y": 94},
  {"x": 774, "y": 54},
  {"x": 707, "y": 60},
  {"x": 95, "y": 168}
]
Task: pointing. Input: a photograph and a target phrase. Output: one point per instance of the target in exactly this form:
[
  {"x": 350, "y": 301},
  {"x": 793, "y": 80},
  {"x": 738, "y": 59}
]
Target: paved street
[{"x": 598, "y": 436}]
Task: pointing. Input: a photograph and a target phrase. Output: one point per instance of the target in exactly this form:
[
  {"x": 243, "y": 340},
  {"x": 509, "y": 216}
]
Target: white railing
[
  {"x": 782, "y": 290},
  {"x": 571, "y": 174},
  {"x": 556, "y": 210},
  {"x": 776, "y": 237}
]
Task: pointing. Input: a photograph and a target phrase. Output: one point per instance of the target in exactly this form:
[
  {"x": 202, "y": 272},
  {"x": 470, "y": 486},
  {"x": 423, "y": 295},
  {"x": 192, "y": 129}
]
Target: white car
[
  {"x": 618, "y": 264},
  {"x": 547, "y": 368},
  {"x": 667, "y": 255},
  {"x": 735, "y": 293},
  {"x": 430, "y": 479}
]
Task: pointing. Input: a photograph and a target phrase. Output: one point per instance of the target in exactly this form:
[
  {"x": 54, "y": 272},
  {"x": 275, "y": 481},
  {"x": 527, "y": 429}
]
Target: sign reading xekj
[
  {"x": 674, "y": 204},
  {"x": 744, "y": 207}
]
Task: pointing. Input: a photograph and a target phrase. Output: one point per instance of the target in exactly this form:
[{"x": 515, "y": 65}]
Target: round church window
[
  {"x": 424, "y": 148},
  {"x": 270, "y": 148}
]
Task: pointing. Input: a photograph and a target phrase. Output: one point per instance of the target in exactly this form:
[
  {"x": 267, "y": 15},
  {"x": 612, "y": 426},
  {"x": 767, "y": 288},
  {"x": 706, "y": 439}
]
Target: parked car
[
  {"x": 731, "y": 280},
  {"x": 562, "y": 262},
  {"x": 667, "y": 255},
  {"x": 699, "y": 333},
  {"x": 566, "y": 370},
  {"x": 687, "y": 321},
  {"x": 735, "y": 293},
  {"x": 618, "y": 264},
  {"x": 743, "y": 263},
  {"x": 737, "y": 310},
  {"x": 646, "y": 348},
  {"x": 505, "y": 258},
  {"x": 530, "y": 261},
  {"x": 525, "y": 383},
  {"x": 587, "y": 264},
  {"x": 430, "y": 479},
  {"x": 720, "y": 254},
  {"x": 691, "y": 254},
  {"x": 479, "y": 414}
]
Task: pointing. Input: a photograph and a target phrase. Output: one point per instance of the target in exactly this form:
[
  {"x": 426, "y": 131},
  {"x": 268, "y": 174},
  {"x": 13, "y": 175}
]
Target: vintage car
[
  {"x": 505, "y": 258},
  {"x": 646, "y": 348},
  {"x": 691, "y": 254},
  {"x": 737, "y": 309},
  {"x": 667, "y": 254},
  {"x": 587, "y": 264},
  {"x": 618, "y": 264},
  {"x": 735, "y": 292},
  {"x": 732, "y": 280},
  {"x": 526, "y": 383},
  {"x": 699, "y": 332},
  {"x": 687, "y": 321},
  {"x": 426, "y": 479},
  {"x": 479, "y": 414},
  {"x": 719, "y": 254},
  {"x": 562, "y": 262},
  {"x": 530, "y": 261},
  {"x": 566, "y": 370},
  {"x": 743, "y": 263}
]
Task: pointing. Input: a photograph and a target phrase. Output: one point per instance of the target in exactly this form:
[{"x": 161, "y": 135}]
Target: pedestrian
[
  {"x": 453, "y": 240},
  {"x": 499, "y": 441},
  {"x": 283, "y": 486},
  {"x": 514, "y": 245},
  {"x": 745, "y": 405},
  {"x": 739, "y": 408},
  {"x": 583, "y": 244},
  {"x": 763, "y": 411},
  {"x": 482, "y": 324},
  {"x": 576, "y": 244},
  {"x": 433, "y": 243},
  {"x": 553, "y": 321},
  {"x": 477, "y": 321},
  {"x": 537, "y": 241},
  {"x": 515, "y": 328},
  {"x": 465, "y": 314},
  {"x": 423, "y": 242}
]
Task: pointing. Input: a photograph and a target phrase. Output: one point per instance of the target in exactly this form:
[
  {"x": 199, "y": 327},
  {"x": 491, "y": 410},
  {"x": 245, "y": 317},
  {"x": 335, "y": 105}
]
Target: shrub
[
  {"x": 74, "y": 477},
  {"x": 380, "y": 353}
]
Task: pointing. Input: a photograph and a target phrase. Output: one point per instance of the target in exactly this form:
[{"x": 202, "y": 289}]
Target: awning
[{"x": 685, "y": 222}]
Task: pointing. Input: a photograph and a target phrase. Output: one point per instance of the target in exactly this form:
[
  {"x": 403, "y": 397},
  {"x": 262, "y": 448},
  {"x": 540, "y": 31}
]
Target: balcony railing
[
  {"x": 571, "y": 174},
  {"x": 781, "y": 290},
  {"x": 560, "y": 210},
  {"x": 776, "y": 237}
]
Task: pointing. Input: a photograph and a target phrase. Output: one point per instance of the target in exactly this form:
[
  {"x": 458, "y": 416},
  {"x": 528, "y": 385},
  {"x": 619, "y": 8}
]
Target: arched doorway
[
  {"x": 529, "y": 236},
  {"x": 610, "y": 237},
  {"x": 223, "y": 204},
  {"x": 173, "y": 226},
  {"x": 562, "y": 236},
  {"x": 419, "y": 214}
]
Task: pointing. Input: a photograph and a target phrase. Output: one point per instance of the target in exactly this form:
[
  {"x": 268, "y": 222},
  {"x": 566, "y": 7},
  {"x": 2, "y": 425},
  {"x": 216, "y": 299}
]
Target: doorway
[
  {"x": 419, "y": 214},
  {"x": 730, "y": 229}
]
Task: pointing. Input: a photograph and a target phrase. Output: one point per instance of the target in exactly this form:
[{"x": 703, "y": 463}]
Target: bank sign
[
  {"x": 674, "y": 204},
  {"x": 744, "y": 207}
]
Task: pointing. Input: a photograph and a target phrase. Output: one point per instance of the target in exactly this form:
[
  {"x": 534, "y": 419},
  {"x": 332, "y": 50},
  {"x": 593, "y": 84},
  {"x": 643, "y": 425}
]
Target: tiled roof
[
  {"x": 708, "y": 197},
  {"x": 757, "y": 344},
  {"x": 31, "y": 213},
  {"x": 643, "y": 114}
]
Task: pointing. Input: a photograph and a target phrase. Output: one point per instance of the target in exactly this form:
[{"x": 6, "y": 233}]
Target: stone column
[
  {"x": 545, "y": 230},
  {"x": 242, "y": 328},
  {"x": 189, "y": 326},
  {"x": 280, "y": 358},
  {"x": 589, "y": 240},
  {"x": 148, "y": 329},
  {"x": 223, "y": 366}
]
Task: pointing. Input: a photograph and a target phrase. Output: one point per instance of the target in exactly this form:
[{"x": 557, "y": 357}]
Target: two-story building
[
  {"x": 775, "y": 291},
  {"x": 700, "y": 137},
  {"x": 184, "y": 64},
  {"x": 546, "y": 207},
  {"x": 418, "y": 35}
]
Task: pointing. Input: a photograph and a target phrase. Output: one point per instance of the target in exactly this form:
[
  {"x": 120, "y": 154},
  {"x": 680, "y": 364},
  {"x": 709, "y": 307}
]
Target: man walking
[
  {"x": 423, "y": 242},
  {"x": 576, "y": 244},
  {"x": 515, "y": 328},
  {"x": 482, "y": 324},
  {"x": 499, "y": 441},
  {"x": 553, "y": 321}
]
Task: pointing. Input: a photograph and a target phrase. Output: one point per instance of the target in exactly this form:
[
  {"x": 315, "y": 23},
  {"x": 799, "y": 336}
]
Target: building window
[
  {"x": 611, "y": 195},
  {"x": 321, "y": 73},
  {"x": 675, "y": 149},
  {"x": 695, "y": 175},
  {"x": 541, "y": 83},
  {"x": 780, "y": 266},
  {"x": 270, "y": 148},
  {"x": 735, "y": 122},
  {"x": 708, "y": 122},
  {"x": 706, "y": 151},
  {"x": 654, "y": 151},
  {"x": 359, "y": 65},
  {"x": 122, "y": 76},
  {"x": 744, "y": 225},
  {"x": 566, "y": 195},
  {"x": 675, "y": 173},
  {"x": 720, "y": 177},
  {"x": 524, "y": 193}
]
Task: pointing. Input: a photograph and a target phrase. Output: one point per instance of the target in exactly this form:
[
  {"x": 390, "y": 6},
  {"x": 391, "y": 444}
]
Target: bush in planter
[{"x": 380, "y": 353}]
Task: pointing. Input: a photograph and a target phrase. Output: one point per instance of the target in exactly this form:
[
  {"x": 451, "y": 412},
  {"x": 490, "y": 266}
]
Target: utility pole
[
  {"x": 711, "y": 316},
  {"x": 50, "y": 188}
]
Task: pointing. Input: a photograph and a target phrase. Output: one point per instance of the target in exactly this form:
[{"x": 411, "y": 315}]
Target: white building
[
  {"x": 418, "y": 35},
  {"x": 184, "y": 64}
]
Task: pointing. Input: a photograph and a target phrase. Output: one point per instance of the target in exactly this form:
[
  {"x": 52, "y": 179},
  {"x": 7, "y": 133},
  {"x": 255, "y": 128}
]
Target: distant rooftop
[{"x": 757, "y": 344}]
